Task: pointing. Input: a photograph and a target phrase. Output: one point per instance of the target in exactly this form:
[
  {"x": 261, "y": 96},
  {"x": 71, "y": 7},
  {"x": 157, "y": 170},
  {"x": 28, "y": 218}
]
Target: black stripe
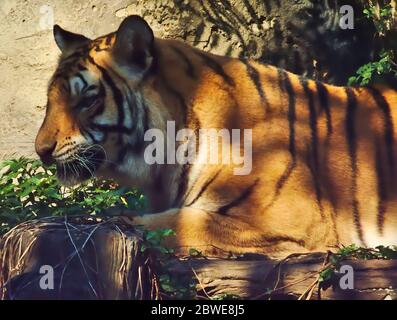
[
  {"x": 189, "y": 66},
  {"x": 132, "y": 107},
  {"x": 118, "y": 97},
  {"x": 138, "y": 138},
  {"x": 255, "y": 78},
  {"x": 127, "y": 148},
  {"x": 215, "y": 66},
  {"x": 271, "y": 241},
  {"x": 117, "y": 94},
  {"x": 81, "y": 67},
  {"x": 90, "y": 88},
  {"x": 387, "y": 126},
  {"x": 145, "y": 117},
  {"x": 291, "y": 113},
  {"x": 324, "y": 104},
  {"x": 205, "y": 187},
  {"x": 312, "y": 120},
  {"x": 89, "y": 134},
  {"x": 97, "y": 47},
  {"x": 179, "y": 97},
  {"x": 102, "y": 95},
  {"x": 285, "y": 84},
  {"x": 183, "y": 181},
  {"x": 352, "y": 146},
  {"x": 382, "y": 191},
  {"x": 137, "y": 143},
  {"x": 66, "y": 86},
  {"x": 97, "y": 113},
  {"x": 112, "y": 128},
  {"x": 196, "y": 125},
  {"x": 80, "y": 76},
  {"x": 314, "y": 141},
  {"x": 243, "y": 196}
]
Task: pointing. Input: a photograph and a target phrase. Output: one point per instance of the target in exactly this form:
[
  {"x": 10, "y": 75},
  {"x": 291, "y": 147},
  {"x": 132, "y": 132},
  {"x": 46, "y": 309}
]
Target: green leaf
[
  {"x": 26, "y": 177},
  {"x": 326, "y": 275},
  {"x": 168, "y": 232},
  {"x": 195, "y": 253}
]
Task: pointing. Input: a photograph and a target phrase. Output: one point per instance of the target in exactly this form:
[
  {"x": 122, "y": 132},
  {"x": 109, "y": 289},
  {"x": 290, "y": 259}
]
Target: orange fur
[{"x": 319, "y": 179}]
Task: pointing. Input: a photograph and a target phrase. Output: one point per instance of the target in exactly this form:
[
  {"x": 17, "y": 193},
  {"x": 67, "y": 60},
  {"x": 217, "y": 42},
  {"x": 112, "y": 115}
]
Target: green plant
[
  {"x": 29, "y": 191},
  {"x": 154, "y": 239},
  {"x": 172, "y": 286},
  {"x": 372, "y": 70},
  {"x": 353, "y": 252},
  {"x": 382, "y": 17},
  {"x": 194, "y": 253},
  {"x": 177, "y": 287},
  {"x": 384, "y": 65}
]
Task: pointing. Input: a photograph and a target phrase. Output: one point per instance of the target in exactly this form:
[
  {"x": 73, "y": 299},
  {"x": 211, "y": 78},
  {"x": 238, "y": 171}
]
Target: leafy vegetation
[
  {"x": 373, "y": 70},
  {"x": 29, "y": 191},
  {"x": 172, "y": 287},
  {"x": 353, "y": 252},
  {"x": 384, "y": 65},
  {"x": 382, "y": 17},
  {"x": 176, "y": 286}
]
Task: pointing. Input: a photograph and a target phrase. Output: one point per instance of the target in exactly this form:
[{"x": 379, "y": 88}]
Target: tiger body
[{"x": 323, "y": 157}]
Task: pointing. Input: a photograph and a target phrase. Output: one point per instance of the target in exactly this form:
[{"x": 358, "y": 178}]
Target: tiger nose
[{"x": 45, "y": 150}]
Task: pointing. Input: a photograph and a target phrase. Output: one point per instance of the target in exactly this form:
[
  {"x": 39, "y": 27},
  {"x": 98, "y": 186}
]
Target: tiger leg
[{"x": 215, "y": 234}]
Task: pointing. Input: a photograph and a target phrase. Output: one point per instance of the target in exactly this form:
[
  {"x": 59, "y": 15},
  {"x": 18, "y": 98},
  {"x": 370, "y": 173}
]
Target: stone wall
[{"x": 302, "y": 36}]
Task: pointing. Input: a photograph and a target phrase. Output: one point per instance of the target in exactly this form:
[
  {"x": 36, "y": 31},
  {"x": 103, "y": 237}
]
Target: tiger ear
[
  {"x": 134, "y": 44},
  {"x": 66, "y": 40}
]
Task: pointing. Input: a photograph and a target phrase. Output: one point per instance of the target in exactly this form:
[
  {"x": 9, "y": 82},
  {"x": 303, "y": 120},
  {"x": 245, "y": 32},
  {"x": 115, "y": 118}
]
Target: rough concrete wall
[
  {"x": 28, "y": 56},
  {"x": 302, "y": 36}
]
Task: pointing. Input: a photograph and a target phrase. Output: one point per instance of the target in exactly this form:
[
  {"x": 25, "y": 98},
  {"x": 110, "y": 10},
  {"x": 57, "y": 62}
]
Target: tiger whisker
[
  {"x": 97, "y": 146},
  {"x": 85, "y": 163}
]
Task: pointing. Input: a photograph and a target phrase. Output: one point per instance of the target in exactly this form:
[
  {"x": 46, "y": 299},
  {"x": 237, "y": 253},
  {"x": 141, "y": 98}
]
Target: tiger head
[{"x": 95, "y": 110}]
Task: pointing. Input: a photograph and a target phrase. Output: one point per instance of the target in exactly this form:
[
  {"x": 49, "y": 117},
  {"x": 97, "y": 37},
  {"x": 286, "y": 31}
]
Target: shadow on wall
[{"x": 301, "y": 36}]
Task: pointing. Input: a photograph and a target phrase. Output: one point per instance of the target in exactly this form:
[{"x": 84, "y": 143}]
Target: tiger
[{"x": 323, "y": 157}]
